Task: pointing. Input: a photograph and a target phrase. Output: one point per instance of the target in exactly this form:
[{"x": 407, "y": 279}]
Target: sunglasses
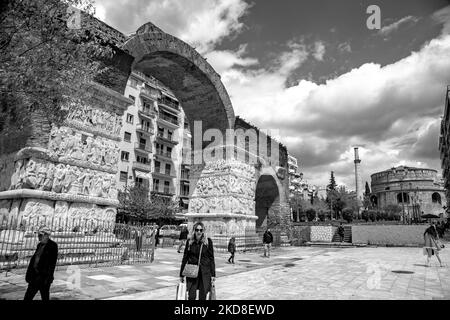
[{"x": 199, "y": 230}]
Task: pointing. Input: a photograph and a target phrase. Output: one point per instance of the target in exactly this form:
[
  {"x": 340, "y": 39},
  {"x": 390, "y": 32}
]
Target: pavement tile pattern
[{"x": 290, "y": 273}]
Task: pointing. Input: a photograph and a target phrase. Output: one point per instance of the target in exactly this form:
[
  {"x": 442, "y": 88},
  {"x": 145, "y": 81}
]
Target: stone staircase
[{"x": 347, "y": 235}]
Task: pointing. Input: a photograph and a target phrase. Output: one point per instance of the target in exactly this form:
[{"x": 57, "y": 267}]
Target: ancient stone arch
[
  {"x": 269, "y": 195},
  {"x": 194, "y": 82}
]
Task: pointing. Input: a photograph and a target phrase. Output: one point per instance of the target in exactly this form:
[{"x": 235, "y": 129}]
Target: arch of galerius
[{"x": 68, "y": 172}]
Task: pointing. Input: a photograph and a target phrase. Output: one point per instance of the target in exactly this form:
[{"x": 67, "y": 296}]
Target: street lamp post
[{"x": 403, "y": 202}]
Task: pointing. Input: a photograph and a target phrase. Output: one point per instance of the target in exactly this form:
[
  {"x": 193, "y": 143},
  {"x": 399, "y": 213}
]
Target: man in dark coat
[
  {"x": 267, "y": 241},
  {"x": 42, "y": 266}
]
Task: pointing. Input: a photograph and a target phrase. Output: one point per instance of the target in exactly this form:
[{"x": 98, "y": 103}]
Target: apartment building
[{"x": 153, "y": 134}]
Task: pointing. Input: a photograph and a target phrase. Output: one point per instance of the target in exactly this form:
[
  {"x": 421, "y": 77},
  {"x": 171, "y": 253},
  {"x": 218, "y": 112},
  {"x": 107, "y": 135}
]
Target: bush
[
  {"x": 311, "y": 214},
  {"x": 347, "y": 214},
  {"x": 321, "y": 216},
  {"x": 372, "y": 215},
  {"x": 365, "y": 215}
]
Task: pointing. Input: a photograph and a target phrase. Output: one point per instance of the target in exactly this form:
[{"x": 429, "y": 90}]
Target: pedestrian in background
[
  {"x": 157, "y": 235},
  {"x": 183, "y": 238},
  {"x": 267, "y": 241},
  {"x": 341, "y": 232},
  {"x": 231, "y": 249},
  {"x": 199, "y": 251},
  {"x": 42, "y": 265},
  {"x": 432, "y": 246}
]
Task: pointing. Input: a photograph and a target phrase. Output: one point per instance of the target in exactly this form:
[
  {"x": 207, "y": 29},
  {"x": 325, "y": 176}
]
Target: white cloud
[
  {"x": 319, "y": 50},
  {"x": 386, "y": 30},
  {"x": 391, "y": 110},
  {"x": 201, "y": 23},
  {"x": 223, "y": 60}
]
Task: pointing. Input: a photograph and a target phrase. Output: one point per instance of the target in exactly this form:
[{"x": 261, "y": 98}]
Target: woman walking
[
  {"x": 199, "y": 251},
  {"x": 232, "y": 249},
  {"x": 432, "y": 245}
]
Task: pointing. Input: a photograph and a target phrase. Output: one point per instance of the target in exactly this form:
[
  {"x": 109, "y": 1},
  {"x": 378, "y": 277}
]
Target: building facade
[
  {"x": 416, "y": 190},
  {"x": 444, "y": 144},
  {"x": 153, "y": 135}
]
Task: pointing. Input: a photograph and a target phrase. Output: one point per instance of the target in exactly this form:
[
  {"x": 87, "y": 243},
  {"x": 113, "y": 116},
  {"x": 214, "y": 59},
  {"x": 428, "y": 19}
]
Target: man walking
[
  {"x": 267, "y": 241},
  {"x": 42, "y": 266},
  {"x": 341, "y": 232}
]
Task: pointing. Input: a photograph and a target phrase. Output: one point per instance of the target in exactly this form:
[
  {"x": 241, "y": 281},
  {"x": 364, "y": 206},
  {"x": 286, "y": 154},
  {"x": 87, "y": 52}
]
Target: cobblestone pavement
[{"x": 290, "y": 273}]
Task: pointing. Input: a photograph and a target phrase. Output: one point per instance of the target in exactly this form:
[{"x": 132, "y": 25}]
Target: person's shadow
[{"x": 420, "y": 265}]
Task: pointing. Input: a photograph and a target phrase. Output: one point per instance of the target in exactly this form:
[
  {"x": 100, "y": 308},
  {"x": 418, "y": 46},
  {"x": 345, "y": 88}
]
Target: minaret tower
[{"x": 358, "y": 178}]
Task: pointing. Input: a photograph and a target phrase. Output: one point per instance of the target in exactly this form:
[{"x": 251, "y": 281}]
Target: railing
[
  {"x": 147, "y": 111},
  {"x": 168, "y": 119},
  {"x": 142, "y": 128},
  {"x": 168, "y": 139},
  {"x": 164, "y": 154},
  {"x": 184, "y": 176},
  {"x": 168, "y": 102},
  {"x": 142, "y": 166},
  {"x": 87, "y": 242},
  {"x": 143, "y": 147}
]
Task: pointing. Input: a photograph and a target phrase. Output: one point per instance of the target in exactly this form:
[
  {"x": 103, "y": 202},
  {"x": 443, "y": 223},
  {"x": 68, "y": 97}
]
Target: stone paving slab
[{"x": 290, "y": 273}]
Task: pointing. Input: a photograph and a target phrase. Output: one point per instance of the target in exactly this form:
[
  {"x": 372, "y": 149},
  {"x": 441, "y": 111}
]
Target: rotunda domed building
[{"x": 416, "y": 190}]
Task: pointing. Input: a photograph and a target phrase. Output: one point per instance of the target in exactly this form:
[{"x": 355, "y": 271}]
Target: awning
[{"x": 141, "y": 174}]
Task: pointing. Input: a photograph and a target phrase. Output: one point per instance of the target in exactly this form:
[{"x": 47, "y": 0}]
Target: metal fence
[{"x": 85, "y": 242}]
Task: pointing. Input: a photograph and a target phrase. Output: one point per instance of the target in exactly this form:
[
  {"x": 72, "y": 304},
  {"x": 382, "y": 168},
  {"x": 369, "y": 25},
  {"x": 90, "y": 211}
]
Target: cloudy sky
[{"x": 316, "y": 72}]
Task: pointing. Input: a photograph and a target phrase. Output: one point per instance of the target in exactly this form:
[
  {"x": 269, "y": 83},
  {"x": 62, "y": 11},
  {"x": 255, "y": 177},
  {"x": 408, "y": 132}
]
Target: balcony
[
  {"x": 147, "y": 112},
  {"x": 142, "y": 166},
  {"x": 144, "y": 130},
  {"x": 165, "y": 155},
  {"x": 164, "y": 174},
  {"x": 167, "y": 120},
  {"x": 143, "y": 147},
  {"x": 160, "y": 137},
  {"x": 169, "y": 103},
  {"x": 150, "y": 93},
  {"x": 169, "y": 192}
]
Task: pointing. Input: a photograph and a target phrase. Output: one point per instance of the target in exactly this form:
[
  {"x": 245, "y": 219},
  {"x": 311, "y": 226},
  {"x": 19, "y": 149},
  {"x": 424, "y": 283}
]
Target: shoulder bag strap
[{"x": 200, "y": 255}]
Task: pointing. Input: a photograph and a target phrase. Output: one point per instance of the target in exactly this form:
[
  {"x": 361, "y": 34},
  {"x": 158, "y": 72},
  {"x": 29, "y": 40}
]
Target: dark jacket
[
  {"x": 207, "y": 264},
  {"x": 341, "y": 230},
  {"x": 267, "y": 237},
  {"x": 46, "y": 265},
  {"x": 184, "y": 234},
  {"x": 231, "y": 247}
]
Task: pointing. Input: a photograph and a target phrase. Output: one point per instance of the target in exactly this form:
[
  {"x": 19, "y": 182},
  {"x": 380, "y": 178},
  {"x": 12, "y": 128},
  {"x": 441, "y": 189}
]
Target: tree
[
  {"x": 367, "y": 192},
  {"x": 347, "y": 214},
  {"x": 311, "y": 214},
  {"x": 136, "y": 203},
  {"x": 45, "y": 66},
  {"x": 332, "y": 185}
]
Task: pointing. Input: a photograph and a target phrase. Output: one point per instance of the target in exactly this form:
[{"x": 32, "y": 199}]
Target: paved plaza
[{"x": 291, "y": 273}]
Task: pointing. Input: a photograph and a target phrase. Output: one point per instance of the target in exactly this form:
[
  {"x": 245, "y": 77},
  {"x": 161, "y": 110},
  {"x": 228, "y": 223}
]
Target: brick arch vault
[{"x": 180, "y": 67}]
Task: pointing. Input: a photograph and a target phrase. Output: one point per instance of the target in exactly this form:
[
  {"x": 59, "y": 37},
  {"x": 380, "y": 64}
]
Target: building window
[
  {"x": 166, "y": 187},
  {"x": 127, "y": 137},
  {"x": 130, "y": 118},
  {"x": 402, "y": 197},
  {"x": 134, "y": 83},
  {"x": 141, "y": 159},
  {"x": 168, "y": 169},
  {"x": 125, "y": 156},
  {"x": 436, "y": 198},
  {"x": 160, "y": 132},
  {"x": 123, "y": 176},
  {"x": 169, "y": 134},
  {"x": 157, "y": 166},
  {"x": 156, "y": 185},
  {"x": 132, "y": 97},
  {"x": 169, "y": 151}
]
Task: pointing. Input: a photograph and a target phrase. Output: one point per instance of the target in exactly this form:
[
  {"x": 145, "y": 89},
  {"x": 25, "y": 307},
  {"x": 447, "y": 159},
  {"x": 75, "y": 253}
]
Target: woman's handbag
[
  {"x": 191, "y": 270},
  {"x": 181, "y": 291}
]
